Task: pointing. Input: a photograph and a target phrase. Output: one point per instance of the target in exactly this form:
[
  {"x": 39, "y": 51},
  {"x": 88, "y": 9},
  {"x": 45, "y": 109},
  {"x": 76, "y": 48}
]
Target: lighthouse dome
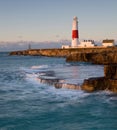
[{"x": 75, "y": 18}]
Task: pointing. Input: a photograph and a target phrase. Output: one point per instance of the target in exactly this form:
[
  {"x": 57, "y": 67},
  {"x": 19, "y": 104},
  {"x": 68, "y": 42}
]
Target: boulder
[
  {"x": 100, "y": 83},
  {"x": 110, "y": 71}
]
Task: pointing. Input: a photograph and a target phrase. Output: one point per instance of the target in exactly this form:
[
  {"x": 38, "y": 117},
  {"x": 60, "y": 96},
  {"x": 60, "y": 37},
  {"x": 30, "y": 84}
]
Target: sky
[{"x": 51, "y": 20}]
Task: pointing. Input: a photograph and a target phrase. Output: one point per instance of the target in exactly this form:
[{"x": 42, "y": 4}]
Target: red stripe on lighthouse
[{"x": 75, "y": 34}]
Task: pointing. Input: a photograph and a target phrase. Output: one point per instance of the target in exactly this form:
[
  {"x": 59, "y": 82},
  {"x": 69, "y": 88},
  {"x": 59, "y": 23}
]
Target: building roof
[{"x": 108, "y": 41}]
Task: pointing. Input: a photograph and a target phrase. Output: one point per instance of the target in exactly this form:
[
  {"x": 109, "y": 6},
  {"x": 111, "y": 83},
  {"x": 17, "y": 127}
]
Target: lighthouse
[{"x": 75, "y": 34}]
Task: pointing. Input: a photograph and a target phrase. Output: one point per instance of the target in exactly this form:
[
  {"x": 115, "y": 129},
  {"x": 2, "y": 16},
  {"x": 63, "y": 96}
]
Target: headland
[
  {"x": 59, "y": 52},
  {"x": 96, "y": 55}
]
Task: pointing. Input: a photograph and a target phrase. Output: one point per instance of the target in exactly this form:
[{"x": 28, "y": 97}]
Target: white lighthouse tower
[{"x": 75, "y": 34}]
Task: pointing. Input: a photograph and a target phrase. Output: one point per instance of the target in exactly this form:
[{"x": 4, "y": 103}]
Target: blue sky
[{"x": 51, "y": 20}]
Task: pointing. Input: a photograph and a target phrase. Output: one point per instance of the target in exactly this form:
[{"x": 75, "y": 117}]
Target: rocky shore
[
  {"x": 61, "y": 52},
  {"x": 102, "y": 56},
  {"x": 109, "y": 60},
  {"x": 105, "y": 57},
  {"x": 58, "y": 83},
  {"x": 100, "y": 83}
]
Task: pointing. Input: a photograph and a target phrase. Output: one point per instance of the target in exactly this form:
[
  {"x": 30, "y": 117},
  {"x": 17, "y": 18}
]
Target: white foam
[
  {"x": 35, "y": 69},
  {"x": 32, "y": 78},
  {"x": 39, "y": 67},
  {"x": 26, "y": 70},
  {"x": 34, "y": 72},
  {"x": 33, "y": 75}
]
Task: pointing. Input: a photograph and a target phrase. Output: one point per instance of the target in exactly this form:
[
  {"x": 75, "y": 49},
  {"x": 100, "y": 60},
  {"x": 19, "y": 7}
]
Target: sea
[{"x": 28, "y": 104}]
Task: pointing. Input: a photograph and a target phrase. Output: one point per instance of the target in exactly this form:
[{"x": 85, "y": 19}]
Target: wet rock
[
  {"x": 108, "y": 82},
  {"x": 94, "y": 84},
  {"x": 109, "y": 59},
  {"x": 57, "y": 83},
  {"x": 50, "y": 81},
  {"x": 96, "y": 55},
  {"x": 101, "y": 83},
  {"x": 110, "y": 71},
  {"x": 67, "y": 85}
]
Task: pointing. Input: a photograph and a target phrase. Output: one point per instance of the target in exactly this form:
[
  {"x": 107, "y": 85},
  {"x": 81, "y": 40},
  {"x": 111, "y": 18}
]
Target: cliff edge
[{"x": 109, "y": 60}]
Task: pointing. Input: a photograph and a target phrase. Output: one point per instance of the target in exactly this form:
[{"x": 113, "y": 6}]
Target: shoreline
[
  {"x": 59, "y": 52},
  {"x": 95, "y": 55}
]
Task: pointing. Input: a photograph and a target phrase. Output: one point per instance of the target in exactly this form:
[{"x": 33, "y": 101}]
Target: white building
[
  {"x": 87, "y": 43},
  {"x": 108, "y": 43}
]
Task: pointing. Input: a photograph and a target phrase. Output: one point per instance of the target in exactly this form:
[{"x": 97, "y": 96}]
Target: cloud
[
  {"x": 57, "y": 36},
  {"x": 20, "y": 36},
  {"x": 23, "y": 45}
]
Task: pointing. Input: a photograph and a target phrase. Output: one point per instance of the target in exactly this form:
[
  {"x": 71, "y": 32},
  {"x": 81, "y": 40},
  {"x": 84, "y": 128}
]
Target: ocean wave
[{"x": 39, "y": 67}]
